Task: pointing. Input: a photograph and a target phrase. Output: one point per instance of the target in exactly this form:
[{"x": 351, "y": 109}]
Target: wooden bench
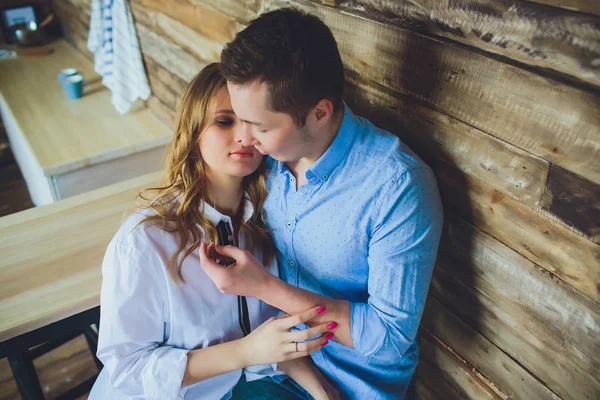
[{"x": 50, "y": 272}]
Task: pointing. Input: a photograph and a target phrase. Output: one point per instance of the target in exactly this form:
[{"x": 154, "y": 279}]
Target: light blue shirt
[{"x": 365, "y": 228}]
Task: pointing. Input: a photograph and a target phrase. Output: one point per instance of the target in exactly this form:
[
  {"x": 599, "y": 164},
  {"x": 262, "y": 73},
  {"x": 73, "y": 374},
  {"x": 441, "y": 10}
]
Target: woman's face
[{"x": 220, "y": 143}]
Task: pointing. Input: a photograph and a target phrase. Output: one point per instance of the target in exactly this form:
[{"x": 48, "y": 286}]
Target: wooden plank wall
[{"x": 502, "y": 99}]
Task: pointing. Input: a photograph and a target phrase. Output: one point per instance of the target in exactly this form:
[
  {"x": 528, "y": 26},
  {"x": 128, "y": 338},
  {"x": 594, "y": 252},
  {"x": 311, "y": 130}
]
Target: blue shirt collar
[
  {"x": 337, "y": 151},
  {"x": 339, "y": 148}
]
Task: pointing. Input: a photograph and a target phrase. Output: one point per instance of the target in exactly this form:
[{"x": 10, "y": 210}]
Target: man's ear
[{"x": 323, "y": 111}]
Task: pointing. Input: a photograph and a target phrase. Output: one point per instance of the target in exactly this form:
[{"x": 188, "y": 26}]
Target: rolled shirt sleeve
[
  {"x": 132, "y": 328},
  {"x": 402, "y": 251}
]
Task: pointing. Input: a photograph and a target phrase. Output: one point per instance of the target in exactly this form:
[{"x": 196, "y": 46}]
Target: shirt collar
[
  {"x": 339, "y": 148},
  {"x": 336, "y": 152},
  {"x": 215, "y": 216}
]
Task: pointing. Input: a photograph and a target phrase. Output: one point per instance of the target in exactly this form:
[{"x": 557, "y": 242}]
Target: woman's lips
[{"x": 243, "y": 154}]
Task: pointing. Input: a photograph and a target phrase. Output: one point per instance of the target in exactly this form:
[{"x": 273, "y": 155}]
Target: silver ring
[{"x": 296, "y": 347}]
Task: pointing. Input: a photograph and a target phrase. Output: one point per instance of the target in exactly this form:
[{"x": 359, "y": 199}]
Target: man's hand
[{"x": 245, "y": 277}]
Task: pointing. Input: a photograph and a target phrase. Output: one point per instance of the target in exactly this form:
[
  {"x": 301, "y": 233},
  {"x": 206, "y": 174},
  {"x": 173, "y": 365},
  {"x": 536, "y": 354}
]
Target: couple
[{"x": 338, "y": 229}]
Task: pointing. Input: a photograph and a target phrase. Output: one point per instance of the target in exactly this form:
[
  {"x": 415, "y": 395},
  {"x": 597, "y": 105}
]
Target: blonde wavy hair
[{"x": 178, "y": 204}]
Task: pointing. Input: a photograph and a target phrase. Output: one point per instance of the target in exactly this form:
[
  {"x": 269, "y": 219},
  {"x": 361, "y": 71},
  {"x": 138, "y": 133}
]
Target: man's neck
[{"x": 318, "y": 147}]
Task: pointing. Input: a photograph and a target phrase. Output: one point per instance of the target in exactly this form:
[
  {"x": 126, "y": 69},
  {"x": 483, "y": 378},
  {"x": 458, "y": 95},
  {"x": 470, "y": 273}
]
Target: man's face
[{"x": 272, "y": 133}]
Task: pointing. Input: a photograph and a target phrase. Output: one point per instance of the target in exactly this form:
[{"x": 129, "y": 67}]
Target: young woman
[{"x": 166, "y": 331}]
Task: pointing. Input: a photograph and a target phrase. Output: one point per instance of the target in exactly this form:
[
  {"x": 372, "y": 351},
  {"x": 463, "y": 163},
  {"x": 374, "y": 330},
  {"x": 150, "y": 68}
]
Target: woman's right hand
[{"x": 273, "y": 342}]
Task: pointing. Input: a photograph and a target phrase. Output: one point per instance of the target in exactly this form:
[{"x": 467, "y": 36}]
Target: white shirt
[{"x": 148, "y": 323}]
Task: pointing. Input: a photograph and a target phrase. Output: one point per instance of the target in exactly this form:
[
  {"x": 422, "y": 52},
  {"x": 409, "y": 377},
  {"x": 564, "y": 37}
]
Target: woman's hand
[
  {"x": 272, "y": 342},
  {"x": 245, "y": 277}
]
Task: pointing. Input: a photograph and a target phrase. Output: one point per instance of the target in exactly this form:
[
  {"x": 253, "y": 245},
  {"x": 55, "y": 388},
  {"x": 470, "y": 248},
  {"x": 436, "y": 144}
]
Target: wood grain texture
[
  {"x": 78, "y": 43},
  {"x": 546, "y": 37},
  {"x": 442, "y": 375},
  {"x": 162, "y": 111},
  {"x": 586, "y": 6},
  {"x": 88, "y": 131},
  {"x": 166, "y": 86},
  {"x": 549, "y": 244},
  {"x": 199, "y": 46},
  {"x": 242, "y": 11},
  {"x": 172, "y": 57},
  {"x": 211, "y": 24},
  {"x": 64, "y": 266},
  {"x": 434, "y": 135},
  {"x": 77, "y": 22},
  {"x": 59, "y": 370},
  {"x": 517, "y": 106},
  {"x": 576, "y": 201},
  {"x": 547, "y": 326},
  {"x": 495, "y": 364}
]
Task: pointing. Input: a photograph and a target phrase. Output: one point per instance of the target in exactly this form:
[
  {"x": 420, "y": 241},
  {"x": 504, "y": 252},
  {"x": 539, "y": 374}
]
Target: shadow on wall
[{"x": 454, "y": 275}]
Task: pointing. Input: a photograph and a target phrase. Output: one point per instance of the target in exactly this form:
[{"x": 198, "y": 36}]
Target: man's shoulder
[{"x": 385, "y": 152}]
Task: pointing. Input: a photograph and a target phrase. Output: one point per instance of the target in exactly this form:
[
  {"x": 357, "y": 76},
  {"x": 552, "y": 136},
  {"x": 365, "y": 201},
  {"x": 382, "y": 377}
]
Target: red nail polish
[
  {"x": 324, "y": 344},
  {"x": 332, "y": 325},
  {"x": 321, "y": 310},
  {"x": 329, "y": 336}
]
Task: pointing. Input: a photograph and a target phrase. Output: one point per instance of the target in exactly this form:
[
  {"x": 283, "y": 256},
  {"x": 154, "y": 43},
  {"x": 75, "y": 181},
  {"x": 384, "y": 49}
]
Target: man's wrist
[{"x": 268, "y": 289}]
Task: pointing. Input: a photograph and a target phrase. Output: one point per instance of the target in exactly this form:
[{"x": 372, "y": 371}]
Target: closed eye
[{"x": 224, "y": 122}]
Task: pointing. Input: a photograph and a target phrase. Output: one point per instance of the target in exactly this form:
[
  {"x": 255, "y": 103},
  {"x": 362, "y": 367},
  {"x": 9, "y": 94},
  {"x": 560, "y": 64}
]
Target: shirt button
[
  {"x": 292, "y": 179},
  {"x": 289, "y": 224},
  {"x": 324, "y": 176},
  {"x": 292, "y": 263}
]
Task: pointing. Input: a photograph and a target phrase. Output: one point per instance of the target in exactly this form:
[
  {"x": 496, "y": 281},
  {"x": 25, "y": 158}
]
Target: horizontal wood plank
[
  {"x": 434, "y": 135},
  {"x": 549, "y": 244},
  {"x": 211, "y": 24},
  {"x": 574, "y": 200},
  {"x": 172, "y": 57},
  {"x": 162, "y": 111},
  {"x": 586, "y": 6},
  {"x": 199, "y": 46},
  {"x": 242, "y": 11},
  {"x": 515, "y": 105},
  {"x": 442, "y": 375},
  {"x": 546, "y": 37},
  {"x": 509, "y": 375},
  {"x": 166, "y": 86},
  {"x": 547, "y": 326}
]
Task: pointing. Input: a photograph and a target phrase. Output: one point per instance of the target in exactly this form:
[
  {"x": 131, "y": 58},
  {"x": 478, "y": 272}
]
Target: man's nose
[{"x": 246, "y": 137}]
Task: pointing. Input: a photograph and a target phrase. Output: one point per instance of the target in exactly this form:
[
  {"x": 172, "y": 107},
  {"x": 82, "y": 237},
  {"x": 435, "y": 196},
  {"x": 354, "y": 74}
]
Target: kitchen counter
[{"x": 65, "y": 146}]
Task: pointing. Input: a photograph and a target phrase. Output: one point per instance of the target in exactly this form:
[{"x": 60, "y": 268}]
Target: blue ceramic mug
[
  {"x": 74, "y": 85},
  {"x": 65, "y": 73}
]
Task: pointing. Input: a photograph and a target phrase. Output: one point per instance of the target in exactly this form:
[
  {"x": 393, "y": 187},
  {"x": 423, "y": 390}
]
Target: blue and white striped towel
[{"x": 117, "y": 56}]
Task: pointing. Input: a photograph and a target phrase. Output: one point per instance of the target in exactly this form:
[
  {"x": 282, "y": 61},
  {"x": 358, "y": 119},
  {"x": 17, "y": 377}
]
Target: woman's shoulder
[{"x": 139, "y": 231}]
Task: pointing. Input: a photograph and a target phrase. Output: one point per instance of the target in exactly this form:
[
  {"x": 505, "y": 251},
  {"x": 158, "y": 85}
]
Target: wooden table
[
  {"x": 50, "y": 268},
  {"x": 63, "y": 146}
]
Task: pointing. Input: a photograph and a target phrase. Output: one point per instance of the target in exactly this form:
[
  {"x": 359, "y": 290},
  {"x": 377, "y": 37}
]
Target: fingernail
[
  {"x": 332, "y": 325},
  {"x": 324, "y": 344},
  {"x": 321, "y": 310},
  {"x": 329, "y": 336}
]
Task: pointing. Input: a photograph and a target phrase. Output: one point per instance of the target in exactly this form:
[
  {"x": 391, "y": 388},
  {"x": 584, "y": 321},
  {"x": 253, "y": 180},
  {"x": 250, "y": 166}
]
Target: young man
[{"x": 356, "y": 215}]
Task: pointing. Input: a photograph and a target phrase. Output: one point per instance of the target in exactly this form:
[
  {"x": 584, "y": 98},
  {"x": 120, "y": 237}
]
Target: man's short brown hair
[{"x": 295, "y": 54}]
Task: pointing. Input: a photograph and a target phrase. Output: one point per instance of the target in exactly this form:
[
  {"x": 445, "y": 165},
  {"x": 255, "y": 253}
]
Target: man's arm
[
  {"x": 248, "y": 277},
  {"x": 293, "y": 300},
  {"x": 402, "y": 250}
]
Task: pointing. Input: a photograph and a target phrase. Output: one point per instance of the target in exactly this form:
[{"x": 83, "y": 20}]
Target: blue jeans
[{"x": 269, "y": 389}]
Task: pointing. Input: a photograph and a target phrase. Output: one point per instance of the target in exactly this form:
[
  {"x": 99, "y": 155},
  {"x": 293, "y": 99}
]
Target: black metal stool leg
[
  {"x": 26, "y": 377},
  {"x": 92, "y": 339}
]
